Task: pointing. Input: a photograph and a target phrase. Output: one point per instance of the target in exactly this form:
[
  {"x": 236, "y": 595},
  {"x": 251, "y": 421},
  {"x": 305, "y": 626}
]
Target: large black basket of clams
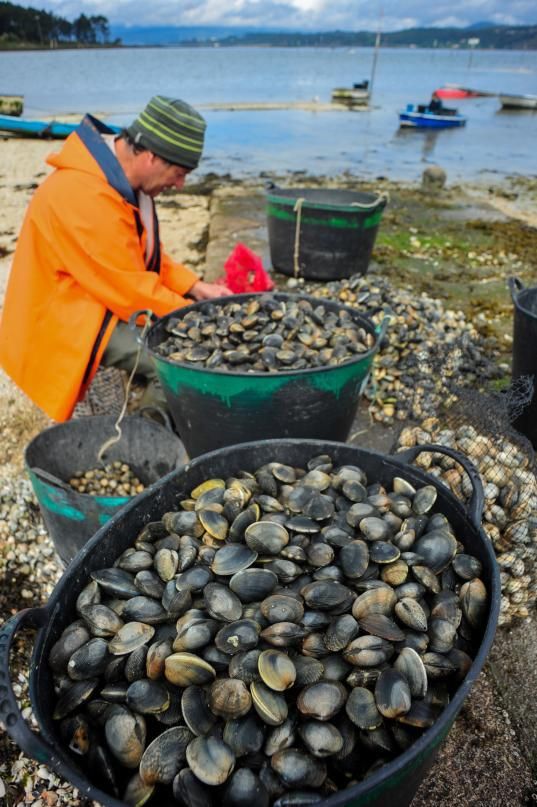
[{"x": 288, "y": 622}]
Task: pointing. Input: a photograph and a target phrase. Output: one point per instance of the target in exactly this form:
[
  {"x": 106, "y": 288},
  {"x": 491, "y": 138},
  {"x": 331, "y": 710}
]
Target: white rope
[
  {"x": 117, "y": 425},
  {"x": 298, "y": 210},
  {"x": 370, "y": 205}
]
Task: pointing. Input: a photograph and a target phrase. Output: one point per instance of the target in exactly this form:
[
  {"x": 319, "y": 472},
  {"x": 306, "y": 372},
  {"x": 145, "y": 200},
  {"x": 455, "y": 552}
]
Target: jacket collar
[{"x": 90, "y": 131}]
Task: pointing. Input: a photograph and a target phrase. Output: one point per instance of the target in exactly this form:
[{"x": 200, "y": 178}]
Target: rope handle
[
  {"x": 384, "y": 196},
  {"x": 117, "y": 425},
  {"x": 296, "y": 252}
]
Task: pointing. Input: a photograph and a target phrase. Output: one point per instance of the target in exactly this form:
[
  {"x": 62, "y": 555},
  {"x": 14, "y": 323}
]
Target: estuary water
[{"x": 119, "y": 82}]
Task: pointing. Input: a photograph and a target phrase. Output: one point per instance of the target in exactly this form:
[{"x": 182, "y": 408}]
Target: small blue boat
[
  {"x": 418, "y": 116},
  {"x": 39, "y": 128}
]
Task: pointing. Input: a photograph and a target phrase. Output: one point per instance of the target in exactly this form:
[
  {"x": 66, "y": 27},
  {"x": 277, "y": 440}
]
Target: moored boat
[
  {"x": 11, "y": 104},
  {"x": 511, "y": 101},
  {"x": 456, "y": 92},
  {"x": 419, "y": 116},
  {"x": 39, "y": 128},
  {"x": 357, "y": 95}
]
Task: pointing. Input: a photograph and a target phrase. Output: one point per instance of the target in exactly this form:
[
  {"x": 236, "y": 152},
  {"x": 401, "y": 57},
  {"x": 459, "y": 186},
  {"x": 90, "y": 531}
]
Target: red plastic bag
[{"x": 244, "y": 271}]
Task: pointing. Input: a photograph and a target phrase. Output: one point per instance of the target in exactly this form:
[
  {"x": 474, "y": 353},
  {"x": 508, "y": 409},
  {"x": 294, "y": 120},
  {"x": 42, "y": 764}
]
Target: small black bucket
[
  {"x": 212, "y": 408},
  {"x": 524, "y": 351},
  {"x": 57, "y": 453},
  {"x": 322, "y": 233},
  {"x": 393, "y": 784}
]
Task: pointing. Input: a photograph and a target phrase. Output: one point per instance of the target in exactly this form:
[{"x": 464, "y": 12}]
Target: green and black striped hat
[{"x": 170, "y": 129}]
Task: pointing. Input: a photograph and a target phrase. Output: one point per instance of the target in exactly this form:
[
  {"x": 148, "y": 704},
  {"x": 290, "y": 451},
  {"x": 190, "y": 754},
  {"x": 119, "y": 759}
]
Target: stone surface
[{"x": 433, "y": 178}]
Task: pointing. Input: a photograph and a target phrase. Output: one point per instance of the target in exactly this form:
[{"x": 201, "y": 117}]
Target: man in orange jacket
[{"x": 88, "y": 255}]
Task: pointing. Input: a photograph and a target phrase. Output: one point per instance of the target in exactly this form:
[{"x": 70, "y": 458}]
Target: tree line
[{"x": 30, "y": 26}]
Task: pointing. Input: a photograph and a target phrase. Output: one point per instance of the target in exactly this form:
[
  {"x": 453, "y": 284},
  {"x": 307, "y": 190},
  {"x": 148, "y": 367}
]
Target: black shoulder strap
[{"x": 90, "y": 131}]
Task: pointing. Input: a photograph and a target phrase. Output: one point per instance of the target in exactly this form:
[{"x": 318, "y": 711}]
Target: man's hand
[{"x": 208, "y": 291}]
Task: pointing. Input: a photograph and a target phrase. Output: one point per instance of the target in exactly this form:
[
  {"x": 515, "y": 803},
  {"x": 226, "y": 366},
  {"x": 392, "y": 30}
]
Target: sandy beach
[{"x": 198, "y": 229}]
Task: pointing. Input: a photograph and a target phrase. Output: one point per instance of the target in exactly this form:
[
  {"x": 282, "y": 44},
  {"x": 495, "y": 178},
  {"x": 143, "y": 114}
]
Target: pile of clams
[
  {"x": 281, "y": 636},
  {"x": 510, "y": 514},
  {"x": 263, "y": 335},
  {"x": 113, "y": 479}
]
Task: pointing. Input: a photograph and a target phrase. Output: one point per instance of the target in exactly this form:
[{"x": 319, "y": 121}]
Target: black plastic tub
[
  {"x": 214, "y": 408},
  {"x": 393, "y": 785},
  {"x": 524, "y": 351},
  {"x": 322, "y": 233},
  {"x": 54, "y": 456}
]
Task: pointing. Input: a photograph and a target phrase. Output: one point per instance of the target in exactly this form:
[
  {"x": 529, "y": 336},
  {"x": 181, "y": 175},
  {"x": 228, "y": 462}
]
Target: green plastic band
[{"x": 357, "y": 222}]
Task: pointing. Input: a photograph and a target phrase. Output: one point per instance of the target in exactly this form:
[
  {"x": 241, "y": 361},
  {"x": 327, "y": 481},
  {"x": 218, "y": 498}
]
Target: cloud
[{"x": 313, "y": 15}]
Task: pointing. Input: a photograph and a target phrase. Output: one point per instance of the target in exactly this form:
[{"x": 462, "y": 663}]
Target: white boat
[
  {"x": 358, "y": 95},
  {"x": 518, "y": 101}
]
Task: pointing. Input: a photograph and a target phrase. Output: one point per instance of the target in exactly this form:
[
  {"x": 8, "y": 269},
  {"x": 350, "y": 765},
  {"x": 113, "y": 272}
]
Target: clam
[
  {"x": 244, "y": 735},
  {"x": 149, "y": 583},
  {"x": 195, "y": 710},
  {"x": 280, "y": 737},
  {"x": 221, "y": 603},
  {"x": 382, "y": 626},
  {"x": 210, "y": 759},
  {"x": 411, "y": 666},
  {"x": 254, "y": 584},
  {"x": 229, "y": 698},
  {"x": 144, "y": 609},
  {"x": 157, "y": 653},
  {"x": 266, "y": 537},
  {"x": 101, "y": 620},
  {"x": 362, "y": 710},
  {"x": 232, "y": 558},
  {"x": 148, "y": 697},
  {"x": 183, "y": 669},
  {"x": 130, "y": 637},
  {"x": 326, "y": 594},
  {"x": 411, "y": 613},
  {"x": 298, "y": 769},
  {"x": 424, "y": 499},
  {"x": 166, "y": 563},
  {"x": 245, "y": 788},
  {"x": 321, "y": 739},
  {"x": 392, "y": 694},
  {"x": 379, "y": 600},
  {"x": 90, "y": 595},
  {"x": 269, "y": 705},
  {"x": 340, "y": 632},
  {"x": 136, "y": 664},
  {"x": 276, "y": 669},
  {"x": 243, "y": 665},
  {"x": 74, "y": 636},
  {"x": 473, "y": 597},
  {"x": 137, "y": 793},
  {"x": 354, "y": 559},
  {"x": 74, "y": 696},
  {"x": 283, "y": 634},
  {"x": 243, "y": 634},
  {"x": 89, "y": 660},
  {"x": 437, "y": 548},
  {"x": 282, "y": 608},
  {"x": 175, "y": 601},
  {"x": 188, "y": 790},
  {"x": 116, "y": 582},
  {"x": 164, "y": 757},
  {"x": 368, "y": 651},
  {"x": 322, "y": 700},
  {"x": 125, "y": 735}
]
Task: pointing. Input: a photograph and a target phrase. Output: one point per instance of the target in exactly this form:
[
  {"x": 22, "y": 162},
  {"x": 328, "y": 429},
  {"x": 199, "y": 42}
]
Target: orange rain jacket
[{"x": 78, "y": 268}]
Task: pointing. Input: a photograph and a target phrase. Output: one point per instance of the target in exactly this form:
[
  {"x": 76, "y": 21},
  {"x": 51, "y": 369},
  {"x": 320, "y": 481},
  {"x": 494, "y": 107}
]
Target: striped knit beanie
[{"x": 170, "y": 129}]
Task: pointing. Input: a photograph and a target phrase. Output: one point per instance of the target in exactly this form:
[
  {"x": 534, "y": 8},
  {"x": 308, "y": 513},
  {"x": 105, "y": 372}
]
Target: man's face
[{"x": 158, "y": 174}]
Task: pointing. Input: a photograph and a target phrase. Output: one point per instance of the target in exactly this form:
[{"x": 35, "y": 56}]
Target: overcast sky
[{"x": 353, "y": 15}]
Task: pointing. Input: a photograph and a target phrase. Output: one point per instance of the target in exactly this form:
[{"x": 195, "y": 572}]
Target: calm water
[{"x": 120, "y": 82}]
